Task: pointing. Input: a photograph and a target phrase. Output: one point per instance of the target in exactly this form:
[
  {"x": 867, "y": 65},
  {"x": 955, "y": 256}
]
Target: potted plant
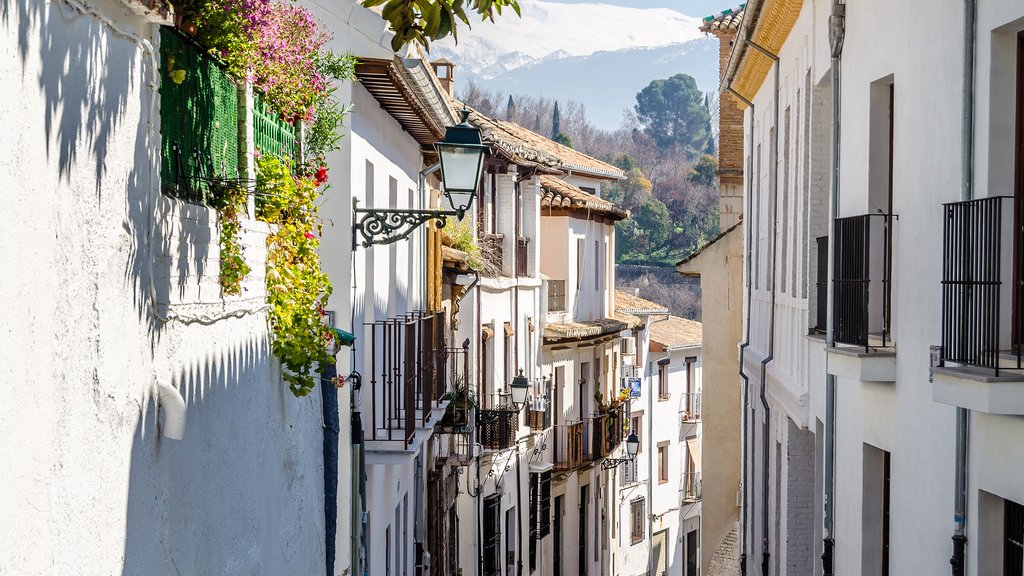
[{"x": 460, "y": 400}]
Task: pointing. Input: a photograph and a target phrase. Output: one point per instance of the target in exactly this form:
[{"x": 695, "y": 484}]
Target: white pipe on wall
[{"x": 174, "y": 408}]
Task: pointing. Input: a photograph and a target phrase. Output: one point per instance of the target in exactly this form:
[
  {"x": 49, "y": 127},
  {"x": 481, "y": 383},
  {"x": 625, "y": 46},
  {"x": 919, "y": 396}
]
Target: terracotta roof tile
[
  {"x": 629, "y": 304},
  {"x": 677, "y": 332},
  {"x": 585, "y": 329},
  {"x": 557, "y": 193},
  {"x": 522, "y": 144},
  {"x": 727, "y": 20}
]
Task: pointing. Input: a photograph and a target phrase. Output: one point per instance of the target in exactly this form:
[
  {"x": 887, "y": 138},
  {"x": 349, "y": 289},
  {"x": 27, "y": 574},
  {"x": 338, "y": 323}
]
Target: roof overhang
[
  {"x": 768, "y": 24},
  {"x": 410, "y": 94}
]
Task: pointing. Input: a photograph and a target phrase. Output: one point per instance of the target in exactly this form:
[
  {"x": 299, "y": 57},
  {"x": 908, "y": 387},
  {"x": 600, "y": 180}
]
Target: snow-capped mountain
[
  {"x": 598, "y": 54},
  {"x": 549, "y": 28}
]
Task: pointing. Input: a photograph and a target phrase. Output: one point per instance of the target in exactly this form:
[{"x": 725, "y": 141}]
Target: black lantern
[
  {"x": 632, "y": 445},
  {"x": 462, "y": 155},
  {"x": 520, "y": 387},
  {"x": 462, "y": 163}
]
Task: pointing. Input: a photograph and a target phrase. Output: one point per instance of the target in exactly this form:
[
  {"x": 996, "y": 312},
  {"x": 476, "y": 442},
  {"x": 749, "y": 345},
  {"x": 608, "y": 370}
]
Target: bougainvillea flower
[
  {"x": 310, "y": 235},
  {"x": 321, "y": 175}
]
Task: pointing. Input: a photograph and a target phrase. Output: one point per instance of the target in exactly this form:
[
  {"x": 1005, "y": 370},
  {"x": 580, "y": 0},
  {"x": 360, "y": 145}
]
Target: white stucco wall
[
  {"x": 924, "y": 62},
  {"x": 90, "y": 485}
]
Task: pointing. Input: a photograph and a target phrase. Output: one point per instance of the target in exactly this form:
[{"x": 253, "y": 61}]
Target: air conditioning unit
[{"x": 627, "y": 346}]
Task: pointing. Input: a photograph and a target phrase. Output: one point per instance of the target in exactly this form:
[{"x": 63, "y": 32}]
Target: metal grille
[
  {"x": 854, "y": 273},
  {"x": 973, "y": 298},
  {"x": 408, "y": 372},
  {"x": 198, "y": 119},
  {"x": 556, "y": 295},
  {"x": 272, "y": 134},
  {"x": 497, "y": 428},
  {"x": 568, "y": 452},
  {"x": 492, "y": 535},
  {"x": 522, "y": 256},
  {"x": 821, "y": 313},
  {"x": 691, "y": 407}
]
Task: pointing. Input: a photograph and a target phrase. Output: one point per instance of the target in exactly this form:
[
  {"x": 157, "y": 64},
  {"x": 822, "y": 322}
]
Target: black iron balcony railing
[
  {"x": 981, "y": 298},
  {"x": 861, "y": 285},
  {"x": 821, "y": 286},
  {"x": 603, "y": 433},
  {"x": 407, "y": 373},
  {"x": 522, "y": 256},
  {"x": 556, "y": 295},
  {"x": 497, "y": 428},
  {"x": 690, "y": 407},
  {"x": 568, "y": 450},
  {"x": 689, "y": 488}
]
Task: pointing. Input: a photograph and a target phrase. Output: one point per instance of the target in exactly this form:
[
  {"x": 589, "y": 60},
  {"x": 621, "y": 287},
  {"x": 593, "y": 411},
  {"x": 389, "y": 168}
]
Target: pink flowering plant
[{"x": 275, "y": 45}]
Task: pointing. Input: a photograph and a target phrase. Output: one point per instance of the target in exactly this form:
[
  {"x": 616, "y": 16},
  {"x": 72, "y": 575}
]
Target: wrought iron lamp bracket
[
  {"x": 389, "y": 225},
  {"x": 609, "y": 463}
]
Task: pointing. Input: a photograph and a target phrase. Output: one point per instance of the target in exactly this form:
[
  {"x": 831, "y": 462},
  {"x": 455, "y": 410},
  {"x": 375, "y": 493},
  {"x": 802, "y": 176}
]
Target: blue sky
[{"x": 698, "y": 8}]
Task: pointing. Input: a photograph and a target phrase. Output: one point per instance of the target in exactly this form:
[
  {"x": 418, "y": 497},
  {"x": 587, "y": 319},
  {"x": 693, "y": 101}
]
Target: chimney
[
  {"x": 445, "y": 71},
  {"x": 730, "y": 124}
]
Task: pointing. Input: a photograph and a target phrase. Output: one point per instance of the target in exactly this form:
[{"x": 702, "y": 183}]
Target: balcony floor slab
[
  {"x": 857, "y": 364},
  {"x": 980, "y": 390}
]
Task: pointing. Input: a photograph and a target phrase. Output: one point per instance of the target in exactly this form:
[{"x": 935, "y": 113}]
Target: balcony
[
  {"x": 689, "y": 408},
  {"x": 497, "y": 428},
  {"x": 539, "y": 420},
  {"x": 568, "y": 451},
  {"x": 407, "y": 374},
  {"x": 861, "y": 300},
  {"x": 863, "y": 252},
  {"x": 492, "y": 252},
  {"x": 522, "y": 256},
  {"x": 556, "y": 295},
  {"x": 980, "y": 360},
  {"x": 689, "y": 488}
]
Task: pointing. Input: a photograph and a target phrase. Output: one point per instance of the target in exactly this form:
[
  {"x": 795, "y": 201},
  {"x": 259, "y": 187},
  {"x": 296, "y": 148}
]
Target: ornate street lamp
[
  {"x": 520, "y": 386},
  {"x": 632, "y": 445},
  {"x": 461, "y": 163}
]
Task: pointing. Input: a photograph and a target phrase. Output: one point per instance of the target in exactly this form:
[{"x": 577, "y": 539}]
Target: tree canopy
[
  {"x": 422, "y": 21},
  {"x": 672, "y": 113}
]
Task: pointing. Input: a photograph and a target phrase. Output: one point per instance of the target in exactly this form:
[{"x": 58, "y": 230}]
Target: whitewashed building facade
[{"x": 883, "y": 418}]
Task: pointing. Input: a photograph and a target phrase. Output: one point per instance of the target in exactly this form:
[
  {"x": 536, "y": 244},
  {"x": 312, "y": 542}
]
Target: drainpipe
[
  {"x": 650, "y": 442},
  {"x": 773, "y": 213},
  {"x": 837, "y": 35},
  {"x": 963, "y": 416},
  {"x": 746, "y": 331}
]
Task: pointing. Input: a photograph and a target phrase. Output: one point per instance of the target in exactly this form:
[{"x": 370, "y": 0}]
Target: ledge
[
  {"x": 977, "y": 389},
  {"x": 856, "y": 364}
]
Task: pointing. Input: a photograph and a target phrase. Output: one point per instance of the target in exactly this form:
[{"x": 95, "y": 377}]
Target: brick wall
[
  {"x": 799, "y": 501},
  {"x": 730, "y": 145}
]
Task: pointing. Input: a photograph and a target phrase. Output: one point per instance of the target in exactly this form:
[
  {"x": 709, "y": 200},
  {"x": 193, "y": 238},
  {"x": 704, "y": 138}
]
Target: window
[
  {"x": 636, "y": 514},
  {"x": 556, "y": 295},
  {"x": 492, "y": 535},
  {"x": 662, "y": 463},
  {"x": 638, "y": 430},
  {"x": 540, "y": 511},
  {"x": 663, "y": 393},
  {"x": 1013, "y": 541},
  {"x": 485, "y": 365},
  {"x": 509, "y": 356},
  {"x": 597, "y": 265},
  {"x": 198, "y": 120},
  {"x": 875, "y": 511},
  {"x": 559, "y": 509},
  {"x": 691, "y": 363},
  {"x": 580, "y": 249}
]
